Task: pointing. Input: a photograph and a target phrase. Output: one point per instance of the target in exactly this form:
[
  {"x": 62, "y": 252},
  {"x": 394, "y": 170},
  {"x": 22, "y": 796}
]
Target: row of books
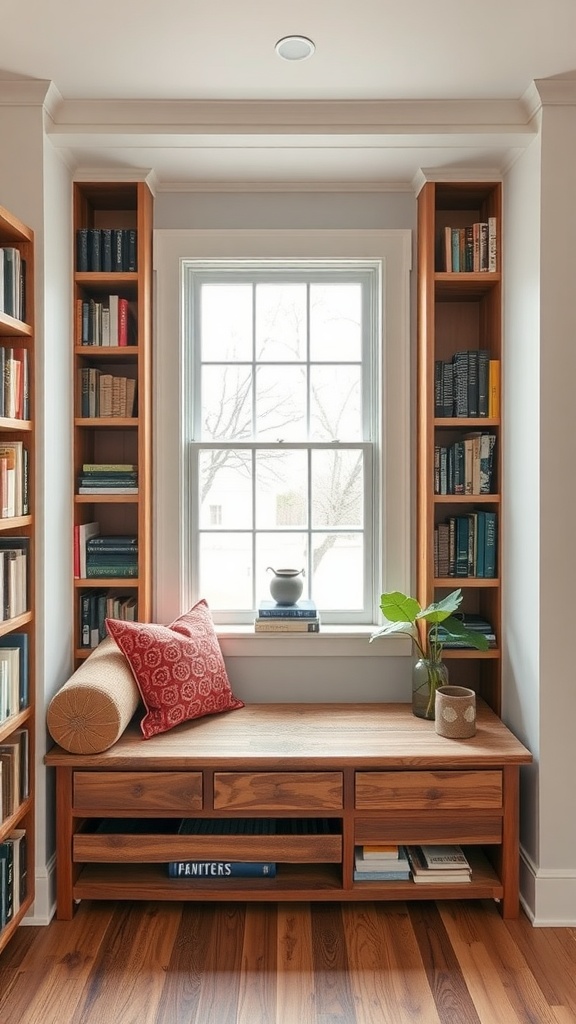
[
  {"x": 467, "y": 385},
  {"x": 109, "y": 322},
  {"x": 300, "y": 617},
  {"x": 14, "y": 772},
  {"x": 98, "y": 605},
  {"x": 106, "y": 250},
  {"x": 14, "y": 694},
  {"x": 13, "y": 577},
  {"x": 12, "y": 282},
  {"x": 466, "y": 545},
  {"x": 470, "y": 249},
  {"x": 105, "y": 395},
  {"x": 14, "y": 479},
  {"x": 473, "y": 622},
  {"x": 112, "y": 556},
  {"x": 423, "y": 864},
  {"x": 14, "y": 383},
  {"x": 466, "y": 466},
  {"x": 102, "y": 480},
  {"x": 13, "y": 874}
]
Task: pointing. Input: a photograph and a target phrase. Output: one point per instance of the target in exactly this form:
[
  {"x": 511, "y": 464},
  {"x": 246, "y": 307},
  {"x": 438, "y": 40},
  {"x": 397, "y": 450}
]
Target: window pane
[
  {"x": 281, "y": 489},
  {"x": 226, "y": 407},
  {"x": 226, "y": 321},
  {"x": 226, "y": 570},
  {"x": 225, "y": 489},
  {"x": 281, "y": 551},
  {"x": 335, "y": 322},
  {"x": 337, "y": 574},
  {"x": 281, "y": 403},
  {"x": 281, "y": 322},
  {"x": 337, "y": 488},
  {"x": 335, "y": 403}
]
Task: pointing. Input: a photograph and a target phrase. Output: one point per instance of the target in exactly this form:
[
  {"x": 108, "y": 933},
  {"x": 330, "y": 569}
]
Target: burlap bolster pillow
[{"x": 90, "y": 712}]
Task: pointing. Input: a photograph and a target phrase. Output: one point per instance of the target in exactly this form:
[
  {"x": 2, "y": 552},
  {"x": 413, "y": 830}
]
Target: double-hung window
[
  {"x": 284, "y": 431},
  {"x": 282, "y": 419}
]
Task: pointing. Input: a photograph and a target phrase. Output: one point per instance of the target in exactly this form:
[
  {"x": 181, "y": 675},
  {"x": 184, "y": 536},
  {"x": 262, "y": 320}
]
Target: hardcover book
[
  {"x": 221, "y": 869},
  {"x": 304, "y": 608}
]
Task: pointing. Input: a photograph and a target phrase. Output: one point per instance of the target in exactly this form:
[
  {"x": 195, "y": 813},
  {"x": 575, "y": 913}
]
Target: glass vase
[{"x": 427, "y": 676}]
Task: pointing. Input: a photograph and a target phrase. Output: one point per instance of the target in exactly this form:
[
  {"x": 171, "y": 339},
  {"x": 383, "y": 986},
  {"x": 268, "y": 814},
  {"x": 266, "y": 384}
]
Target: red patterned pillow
[{"x": 179, "y": 668}]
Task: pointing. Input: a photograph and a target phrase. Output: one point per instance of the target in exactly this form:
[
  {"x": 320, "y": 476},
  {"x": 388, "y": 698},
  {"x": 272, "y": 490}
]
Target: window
[
  {"x": 283, "y": 431},
  {"x": 282, "y": 418}
]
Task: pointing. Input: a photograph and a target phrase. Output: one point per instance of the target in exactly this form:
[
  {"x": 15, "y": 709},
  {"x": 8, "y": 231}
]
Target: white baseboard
[
  {"x": 44, "y": 907},
  {"x": 548, "y": 895}
]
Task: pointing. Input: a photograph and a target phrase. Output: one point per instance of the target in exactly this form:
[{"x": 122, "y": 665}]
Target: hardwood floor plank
[
  {"x": 509, "y": 965},
  {"x": 220, "y": 982},
  {"x": 128, "y": 979},
  {"x": 55, "y": 969},
  {"x": 445, "y": 977},
  {"x": 333, "y": 997},
  {"x": 490, "y": 984},
  {"x": 551, "y": 955},
  {"x": 386, "y": 971},
  {"x": 257, "y": 988},
  {"x": 295, "y": 985},
  {"x": 186, "y": 969}
]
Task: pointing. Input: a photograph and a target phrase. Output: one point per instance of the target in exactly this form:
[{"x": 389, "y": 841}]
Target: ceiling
[{"x": 197, "y": 92}]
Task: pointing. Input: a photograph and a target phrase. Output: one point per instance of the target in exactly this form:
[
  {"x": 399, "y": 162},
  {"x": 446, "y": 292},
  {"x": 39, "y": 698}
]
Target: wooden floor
[{"x": 363, "y": 963}]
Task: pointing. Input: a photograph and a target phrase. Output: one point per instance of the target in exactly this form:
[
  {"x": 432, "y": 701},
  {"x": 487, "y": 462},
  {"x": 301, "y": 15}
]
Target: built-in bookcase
[
  {"x": 112, "y": 405},
  {"x": 17, "y": 600},
  {"x": 459, "y": 311}
]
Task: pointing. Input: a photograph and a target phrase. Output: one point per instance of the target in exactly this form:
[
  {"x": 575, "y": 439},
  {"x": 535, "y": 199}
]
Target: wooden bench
[{"x": 374, "y": 771}]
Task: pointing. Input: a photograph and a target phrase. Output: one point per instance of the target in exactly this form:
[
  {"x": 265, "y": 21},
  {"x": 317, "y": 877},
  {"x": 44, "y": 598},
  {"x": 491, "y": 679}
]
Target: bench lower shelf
[{"x": 310, "y": 882}]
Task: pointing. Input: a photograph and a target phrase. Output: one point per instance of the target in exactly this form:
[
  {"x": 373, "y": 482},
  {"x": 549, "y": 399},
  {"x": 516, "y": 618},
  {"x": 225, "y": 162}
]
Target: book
[
  {"x": 364, "y": 865},
  {"x": 304, "y": 608},
  {"x": 381, "y": 876},
  {"x": 111, "y": 571},
  {"x": 447, "y": 873},
  {"x": 85, "y": 532},
  {"x": 270, "y": 625},
  {"x": 221, "y": 869},
  {"x": 380, "y": 850},
  {"x": 443, "y": 857},
  {"x": 109, "y": 467},
  {"x": 494, "y": 388}
]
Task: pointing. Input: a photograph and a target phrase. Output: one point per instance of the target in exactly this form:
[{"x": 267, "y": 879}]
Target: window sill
[{"x": 333, "y": 641}]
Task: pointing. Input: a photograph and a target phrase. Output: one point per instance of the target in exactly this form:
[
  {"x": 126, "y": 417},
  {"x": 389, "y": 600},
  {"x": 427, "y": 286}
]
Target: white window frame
[{"x": 393, "y": 249}]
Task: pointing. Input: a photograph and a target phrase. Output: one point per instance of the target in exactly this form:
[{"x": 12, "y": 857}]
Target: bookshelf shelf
[
  {"x": 121, "y": 211},
  {"x": 17, "y": 632},
  {"x": 459, "y": 316}
]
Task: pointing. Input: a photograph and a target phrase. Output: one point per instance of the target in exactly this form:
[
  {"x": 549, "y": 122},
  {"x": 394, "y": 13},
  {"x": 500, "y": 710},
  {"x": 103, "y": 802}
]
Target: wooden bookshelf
[
  {"x": 119, "y": 439},
  {"x": 457, "y": 310},
  {"x": 18, "y": 521}
]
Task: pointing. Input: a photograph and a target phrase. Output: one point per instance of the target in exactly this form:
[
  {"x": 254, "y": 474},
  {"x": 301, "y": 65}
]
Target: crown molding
[
  {"x": 288, "y": 117},
  {"x": 24, "y": 92},
  {"x": 117, "y": 174},
  {"x": 236, "y": 187},
  {"x": 425, "y": 174},
  {"x": 559, "y": 91}
]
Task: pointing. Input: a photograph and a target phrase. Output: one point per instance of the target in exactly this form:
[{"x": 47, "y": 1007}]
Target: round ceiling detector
[{"x": 295, "y": 48}]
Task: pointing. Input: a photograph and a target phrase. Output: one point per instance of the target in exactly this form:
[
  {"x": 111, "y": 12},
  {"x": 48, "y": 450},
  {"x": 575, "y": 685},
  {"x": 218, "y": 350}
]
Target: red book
[{"x": 122, "y": 321}]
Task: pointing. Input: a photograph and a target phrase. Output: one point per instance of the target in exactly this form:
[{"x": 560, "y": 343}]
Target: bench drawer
[
  {"x": 142, "y": 848},
  {"x": 278, "y": 791},
  {"x": 174, "y": 792},
  {"x": 427, "y": 791}
]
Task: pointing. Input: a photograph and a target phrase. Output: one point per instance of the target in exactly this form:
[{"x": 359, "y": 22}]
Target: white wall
[
  {"x": 521, "y": 509},
  {"x": 34, "y": 185}
]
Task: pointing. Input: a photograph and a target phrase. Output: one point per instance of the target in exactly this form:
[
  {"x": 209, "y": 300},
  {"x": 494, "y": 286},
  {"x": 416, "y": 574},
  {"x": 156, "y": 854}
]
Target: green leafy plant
[{"x": 403, "y": 614}]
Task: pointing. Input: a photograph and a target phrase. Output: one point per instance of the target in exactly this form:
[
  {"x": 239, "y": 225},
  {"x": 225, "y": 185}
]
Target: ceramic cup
[{"x": 455, "y": 710}]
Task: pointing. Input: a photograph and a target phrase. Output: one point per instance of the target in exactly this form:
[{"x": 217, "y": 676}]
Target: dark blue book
[
  {"x": 82, "y": 250},
  {"x": 462, "y": 536},
  {"x": 20, "y": 640},
  {"x": 106, "y": 250},
  {"x": 490, "y": 544},
  {"x": 221, "y": 869},
  {"x": 305, "y": 608}
]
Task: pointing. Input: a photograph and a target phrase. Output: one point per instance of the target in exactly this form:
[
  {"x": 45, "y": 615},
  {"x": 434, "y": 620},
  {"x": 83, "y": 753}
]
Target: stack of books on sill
[
  {"x": 381, "y": 863},
  {"x": 444, "y": 865},
  {"x": 301, "y": 617}
]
